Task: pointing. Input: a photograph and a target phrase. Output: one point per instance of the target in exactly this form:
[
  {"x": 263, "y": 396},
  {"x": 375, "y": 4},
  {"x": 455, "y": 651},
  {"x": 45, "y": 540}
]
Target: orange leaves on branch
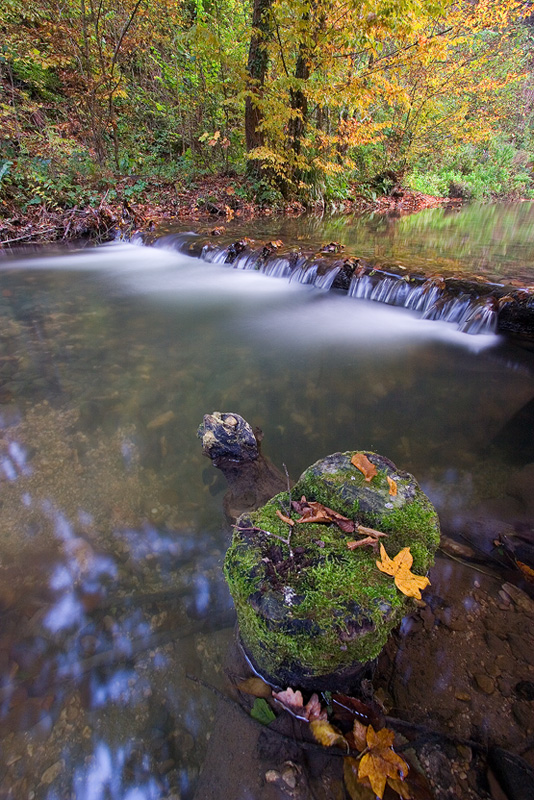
[
  {"x": 381, "y": 762},
  {"x": 400, "y": 568},
  {"x": 361, "y": 462}
]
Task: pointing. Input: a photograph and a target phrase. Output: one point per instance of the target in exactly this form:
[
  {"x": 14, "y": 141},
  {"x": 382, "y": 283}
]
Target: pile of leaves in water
[{"x": 356, "y": 728}]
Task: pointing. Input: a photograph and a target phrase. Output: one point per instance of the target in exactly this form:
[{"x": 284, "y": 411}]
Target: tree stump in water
[{"x": 314, "y": 612}]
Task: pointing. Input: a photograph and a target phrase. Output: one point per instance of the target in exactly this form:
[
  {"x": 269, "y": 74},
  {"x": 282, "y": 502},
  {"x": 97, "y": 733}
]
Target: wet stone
[
  {"x": 50, "y": 774},
  {"x": 484, "y": 682}
]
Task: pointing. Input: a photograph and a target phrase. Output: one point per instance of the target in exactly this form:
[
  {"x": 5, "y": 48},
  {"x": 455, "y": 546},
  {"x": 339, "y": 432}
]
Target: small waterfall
[
  {"x": 305, "y": 273},
  {"x": 213, "y": 255},
  {"x": 393, "y": 291},
  {"x": 277, "y": 268},
  {"x": 325, "y": 281},
  {"x": 429, "y": 299},
  {"x": 361, "y": 286},
  {"x": 432, "y": 299},
  {"x": 482, "y": 318}
]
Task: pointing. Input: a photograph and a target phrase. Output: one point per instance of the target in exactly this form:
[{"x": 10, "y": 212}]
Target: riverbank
[{"x": 140, "y": 206}]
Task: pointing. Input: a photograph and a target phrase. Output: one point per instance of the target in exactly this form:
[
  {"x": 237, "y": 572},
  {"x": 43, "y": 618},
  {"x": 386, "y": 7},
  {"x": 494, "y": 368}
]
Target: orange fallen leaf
[
  {"x": 361, "y": 462},
  {"x": 400, "y": 568},
  {"x": 392, "y": 486},
  {"x": 381, "y": 762},
  {"x": 284, "y": 518}
]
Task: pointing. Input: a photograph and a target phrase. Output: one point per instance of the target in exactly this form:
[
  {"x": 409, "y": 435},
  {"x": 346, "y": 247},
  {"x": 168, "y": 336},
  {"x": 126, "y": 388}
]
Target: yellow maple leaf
[
  {"x": 392, "y": 486},
  {"x": 381, "y": 762},
  {"x": 400, "y": 568}
]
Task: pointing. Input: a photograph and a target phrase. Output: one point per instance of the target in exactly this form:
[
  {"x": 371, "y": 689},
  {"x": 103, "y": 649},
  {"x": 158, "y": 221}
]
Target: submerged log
[{"x": 235, "y": 448}]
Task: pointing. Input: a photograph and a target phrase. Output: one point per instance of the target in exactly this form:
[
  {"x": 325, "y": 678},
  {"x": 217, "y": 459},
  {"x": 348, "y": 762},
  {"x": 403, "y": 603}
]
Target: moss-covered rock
[{"x": 311, "y": 612}]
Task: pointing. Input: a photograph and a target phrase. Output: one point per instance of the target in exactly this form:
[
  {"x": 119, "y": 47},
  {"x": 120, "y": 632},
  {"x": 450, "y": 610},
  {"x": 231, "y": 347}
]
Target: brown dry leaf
[
  {"x": 361, "y": 462},
  {"x": 284, "y": 518},
  {"x": 313, "y": 709},
  {"x": 294, "y": 703},
  {"x": 316, "y": 512},
  {"x": 350, "y": 709},
  {"x": 409, "y": 584},
  {"x": 255, "y": 687},
  {"x": 327, "y": 735},
  {"x": 381, "y": 762},
  {"x": 290, "y": 699},
  {"x": 359, "y": 735},
  {"x": 370, "y": 532},
  {"x": 392, "y": 486},
  {"x": 369, "y": 541}
]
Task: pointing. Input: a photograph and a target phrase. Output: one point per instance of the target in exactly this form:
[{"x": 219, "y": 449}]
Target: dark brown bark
[
  {"x": 258, "y": 61},
  {"x": 299, "y": 103}
]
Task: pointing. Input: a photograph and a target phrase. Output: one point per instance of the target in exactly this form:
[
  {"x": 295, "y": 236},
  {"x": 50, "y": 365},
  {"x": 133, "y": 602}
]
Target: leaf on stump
[
  {"x": 327, "y": 735},
  {"x": 316, "y": 512},
  {"x": 284, "y": 518},
  {"x": 392, "y": 486},
  {"x": 399, "y": 567},
  {"x": 367, "y": 542},
  {"x": 381, "y": 762},
  {"x": 361, "y": 462},
  {"x": 262, "y": 711}
]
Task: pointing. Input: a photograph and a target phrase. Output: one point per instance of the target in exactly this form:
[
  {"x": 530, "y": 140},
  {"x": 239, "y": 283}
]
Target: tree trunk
[
  {"x": 258, "y": 61},
  {"x": 299, "y": 103}
]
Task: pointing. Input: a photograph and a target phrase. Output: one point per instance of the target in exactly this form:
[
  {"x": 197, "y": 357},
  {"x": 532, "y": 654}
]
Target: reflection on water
[
  {"x": 112, "y": 539},
  {"x": 495, "y": 241}
]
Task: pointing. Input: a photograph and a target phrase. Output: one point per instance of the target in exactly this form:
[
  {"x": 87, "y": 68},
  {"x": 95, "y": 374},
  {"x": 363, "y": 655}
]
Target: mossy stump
[{"x": 313, "y": 613}]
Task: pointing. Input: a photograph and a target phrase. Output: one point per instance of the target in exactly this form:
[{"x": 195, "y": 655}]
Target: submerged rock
[{"x": 312, "y": 612}]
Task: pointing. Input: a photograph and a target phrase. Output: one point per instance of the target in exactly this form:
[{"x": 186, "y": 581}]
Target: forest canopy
[{"x": 309, "y": 99}]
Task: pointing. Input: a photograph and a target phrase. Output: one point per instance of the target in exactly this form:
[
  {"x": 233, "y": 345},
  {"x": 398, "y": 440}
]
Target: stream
[{"x": 114, "y": 614}]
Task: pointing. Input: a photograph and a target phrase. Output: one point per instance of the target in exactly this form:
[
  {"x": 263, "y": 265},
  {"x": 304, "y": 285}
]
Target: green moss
[{"x": 338, "y": 608}]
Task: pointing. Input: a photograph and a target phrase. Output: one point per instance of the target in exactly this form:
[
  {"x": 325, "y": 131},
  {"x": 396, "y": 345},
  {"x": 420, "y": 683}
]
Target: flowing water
[{"x": 112, "y": 600}]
